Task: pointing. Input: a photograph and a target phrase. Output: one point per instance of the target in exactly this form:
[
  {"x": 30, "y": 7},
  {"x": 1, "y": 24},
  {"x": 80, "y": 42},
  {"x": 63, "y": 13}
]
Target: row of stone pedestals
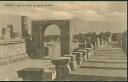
[
  {"x": 63, "y": 66},
  {"x": 68, "y": 63},
  {"x": 83, "y": 54}
]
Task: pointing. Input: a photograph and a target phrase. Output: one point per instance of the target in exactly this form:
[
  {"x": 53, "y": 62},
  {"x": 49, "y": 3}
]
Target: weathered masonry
[{"x": 38, "y": 31}]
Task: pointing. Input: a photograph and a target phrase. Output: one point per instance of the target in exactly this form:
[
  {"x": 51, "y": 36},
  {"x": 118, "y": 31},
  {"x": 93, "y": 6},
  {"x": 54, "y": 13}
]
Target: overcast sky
[{"x": 113, "y": 14}]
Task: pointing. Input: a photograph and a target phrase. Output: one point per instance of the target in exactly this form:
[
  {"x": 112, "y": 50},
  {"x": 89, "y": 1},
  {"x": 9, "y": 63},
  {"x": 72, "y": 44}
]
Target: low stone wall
[{"x": 12, "y": 49}]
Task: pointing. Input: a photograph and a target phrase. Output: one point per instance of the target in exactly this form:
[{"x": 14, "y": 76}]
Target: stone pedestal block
[
  {"x": 49, "y": 74},
  {"x": 37, "y": 74},
  {"x": 62, "y": 67},
  {"x": 84, "y": 54},
  {"x": 90, "y": 52},
  {"x": 85, "y": 57},
  {"x": 72, "y": 63},
  {"x": 31, "y": 74},
  {"x": 79, "y": 58}
]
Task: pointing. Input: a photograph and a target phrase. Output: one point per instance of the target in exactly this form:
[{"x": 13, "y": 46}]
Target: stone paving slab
[
  {"x": 108, "y": 64},
  {"x": 101, "y": 72}
]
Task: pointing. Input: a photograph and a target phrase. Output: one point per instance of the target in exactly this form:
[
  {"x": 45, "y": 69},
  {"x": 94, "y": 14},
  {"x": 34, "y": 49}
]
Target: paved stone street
[{"x": 109, "y": 63}]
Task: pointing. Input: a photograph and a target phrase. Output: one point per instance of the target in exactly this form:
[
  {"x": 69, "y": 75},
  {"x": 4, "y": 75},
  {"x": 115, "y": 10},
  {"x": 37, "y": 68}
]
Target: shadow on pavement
[
  {"x": 107, "y": 62},
  {"x": 77, "y": 77},
  {"x": 119, "y": 58},
  {"x": 111, "y": 55},
  {"x": 111, "y": 68}
]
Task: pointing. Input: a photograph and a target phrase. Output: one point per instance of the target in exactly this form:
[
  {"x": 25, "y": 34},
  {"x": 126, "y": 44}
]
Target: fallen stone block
[{"x": 31, "y": 74}]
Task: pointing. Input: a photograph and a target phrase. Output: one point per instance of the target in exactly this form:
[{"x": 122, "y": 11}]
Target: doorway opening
[{"x": 52, "y": 40}]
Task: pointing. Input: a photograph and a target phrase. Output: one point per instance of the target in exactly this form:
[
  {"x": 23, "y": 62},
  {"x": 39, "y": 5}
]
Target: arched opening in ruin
[
  {"x": 52, "y": 37},
  {"x": 40, "y": 28}
]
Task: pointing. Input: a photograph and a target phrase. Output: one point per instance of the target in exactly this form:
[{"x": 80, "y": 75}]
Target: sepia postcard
[{"x": 63, "y": 40}]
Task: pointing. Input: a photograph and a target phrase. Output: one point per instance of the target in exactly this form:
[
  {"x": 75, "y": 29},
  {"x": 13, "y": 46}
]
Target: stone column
[
  {"x": 11, "y": 31},
  {"x": 36, "y": 36},
  {"x": 24, "y": 26},
  {"x": 66, "y": 38},
  {"x": 7, "y": 34},
  {"x": 3, "y": 33}
]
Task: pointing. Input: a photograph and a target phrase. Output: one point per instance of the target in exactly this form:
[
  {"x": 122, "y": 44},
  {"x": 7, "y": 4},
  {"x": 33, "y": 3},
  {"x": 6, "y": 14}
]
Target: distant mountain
[
  {"x": 77, "y": 24},
  {"x": 83, "y": 26}
]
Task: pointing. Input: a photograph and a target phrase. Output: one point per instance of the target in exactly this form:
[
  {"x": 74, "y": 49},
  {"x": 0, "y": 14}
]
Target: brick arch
[{"x": 38, "y": 30}]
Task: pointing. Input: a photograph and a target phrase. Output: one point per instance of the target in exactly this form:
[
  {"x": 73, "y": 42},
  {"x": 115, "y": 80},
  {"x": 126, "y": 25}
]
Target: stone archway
[{"x": 38, "y": 30}]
